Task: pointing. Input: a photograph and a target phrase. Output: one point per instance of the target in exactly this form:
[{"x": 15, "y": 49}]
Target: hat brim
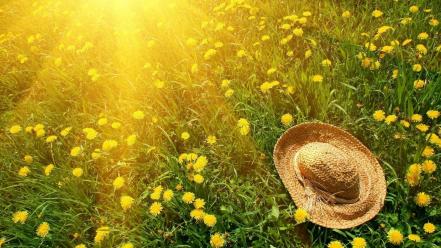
[{"x": 372, "y": 179}]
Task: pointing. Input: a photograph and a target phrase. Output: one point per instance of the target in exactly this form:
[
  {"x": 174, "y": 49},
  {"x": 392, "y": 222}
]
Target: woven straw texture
[{"x": 331, "y": 174}]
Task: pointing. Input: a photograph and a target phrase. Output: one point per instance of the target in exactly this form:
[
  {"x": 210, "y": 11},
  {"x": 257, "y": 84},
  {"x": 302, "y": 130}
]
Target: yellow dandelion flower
[
  {"x": 286, "y": 119},
  {"x": 198, "y": 178},
  {"x": 428, "y": 166},
  {"x": 414, "y": 237},
  {"x": 422, "y": 199},
  {"x": 65, "y": 131},
  {"x": 15, "y": 129},
  {"x": 197, "y": 214},
  {"x": 428, "y": 152},
  {"x": 127, "y": 245},
  {"x": 199, "y": 203},
  {"x": 359, "y": 242},
  {"x": 377, "y": 13},
  {"x": 75, "y": 151},
  {"x": 317, "y": 78},
  {"x": 217, "y": 240},
  {"x": 168, "y": 195},
  {"x": 109, "y": 145},
  {"x": 200, "y": 164},
  {"x": 43, "y": 229},
  {"x": 131, "y": 140},
  {"x": 116, "y": 125},
  {"x": 379, "y": 115},
  {"x": 185, "y": 135},
  {"x": 138, "y": 115},
  {"x": 155, "y": 209},
  {"x": 346, "y": 14},
  {"x": 211, "y": 139},
  {"x": 20, "y": 217},
  {"x": 118, "y": 182},
  {"x": 101, "y": 233},
  {"x": 188, "y": 197},
  {"x": 335, "y": 244},
  {"x": 300, "y": 215},
  {"x": 429, "y": 228},
  {"x": 210, "y": 220},
  {"x": 405, "y": 123},
  {"x": 48, "y": 169},
  {"x": 51, "y": 138},
  {"x": 422, "y": 127},
  {"x": 102, "y": 121},
  {"x": 414, "y": 9},
  {"x": 78, "y": 172},
  {"x": 390, "y": 119},
  {"x": 433, "y": 114},
  {"x": 395, "y": 237},
  {"x": 24, "y": 171},
  {"x": 126, "y": 202}
]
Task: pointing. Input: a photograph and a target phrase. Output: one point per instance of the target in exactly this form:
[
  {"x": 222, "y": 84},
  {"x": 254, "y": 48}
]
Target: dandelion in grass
[
  {"x": 24, "y": 171},
  {"x": 300, "y": 215},
  {"x": 15, "y": 129},
  {"x": 48, "y": 169},
  {"x": 390, "y": 119},
  {"x": 185, "y": 135},
  {"x": 286, "y": 119},
  {"x": 198, "y": 178},
  {"x": 51, "y": 138},
  {"x": 77, "y": 172},
  {"x": 210, "y": 220},
  {"x": 346, "y": 14},
  {"x": 244, "y": 126},
  {"x": 131, "y": 140},
  {"x": 335, "y": 244},
  {"x": 197, "y": 214},
  {"x": 127, "y": 245},
  {"x": 126, "y": 202},
  {"x": 188, "y": 197},
  {"x": 199, "y": 203},
  {"x": 2, "y": 241},
  {"x": 414, "y": 9},
  {"x": 102, "y": 121},
  {"x": 118, "y": 182},
  {"x": 359, "y": 242},
  {"x": 167, "y": 195},
  {"x": 433, "y": 114},
  {"x": 65, "y": 131},
  {"x": 116, "y": 125},
  {"x": 90, "y": 133},
  {"x": 404, "y": 123},
  {"x": 155, "y": 209},
  {"x": 109, "y": 145},
  {"x": 211, "y": 139},
  {"x": 156, "y": 194},
  {"x": 200, "y": 164},
  {"x": 429, "y": 228},
  {"x": 422, "y": 199},
  {"x": 379, "y": 115},
  {"x": 75, "y": 151},
  {"x": 422, "y": 127},
  {"x": 20, "y": 217},
  {"x": 81, "y": 246},
  {"x": 43, "y": 229},
  {"x": 428, "y": 166},
  {"x": 101, "y": 234},
  {"x": 28, "y": 159},
  {"x": 414, "y": 237},
  {"x": 428, "y": 152},
  {"x": 317, "y": 78},
  {"x": 395, "y": 237},
  {"x": 217, "y": 240},
  {"x": 138, "y": 115}
]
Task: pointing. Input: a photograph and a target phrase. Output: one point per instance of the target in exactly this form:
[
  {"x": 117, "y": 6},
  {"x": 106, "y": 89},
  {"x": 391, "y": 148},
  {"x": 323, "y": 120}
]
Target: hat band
[{"x": 315, "y": 190}]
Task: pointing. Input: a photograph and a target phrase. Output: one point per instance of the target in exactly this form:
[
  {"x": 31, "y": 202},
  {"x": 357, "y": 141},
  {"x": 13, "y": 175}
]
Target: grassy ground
[{"x": 174, "y": 74}]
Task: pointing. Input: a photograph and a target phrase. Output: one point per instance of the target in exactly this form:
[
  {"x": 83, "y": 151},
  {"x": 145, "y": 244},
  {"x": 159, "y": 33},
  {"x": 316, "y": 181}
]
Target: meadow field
[{"x": 152, "y": 123}]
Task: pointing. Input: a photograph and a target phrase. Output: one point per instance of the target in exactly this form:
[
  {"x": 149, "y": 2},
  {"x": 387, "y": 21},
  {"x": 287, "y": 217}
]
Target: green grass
[{"x": 241, "y": 187}]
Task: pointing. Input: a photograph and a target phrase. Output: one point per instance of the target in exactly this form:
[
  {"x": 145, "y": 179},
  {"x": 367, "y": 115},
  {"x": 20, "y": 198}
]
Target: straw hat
[{"x": 331, "y": 174}]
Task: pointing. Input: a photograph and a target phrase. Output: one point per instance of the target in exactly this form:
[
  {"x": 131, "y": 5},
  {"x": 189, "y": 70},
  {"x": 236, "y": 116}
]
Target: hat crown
[{"x": 329, "y": 170}]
